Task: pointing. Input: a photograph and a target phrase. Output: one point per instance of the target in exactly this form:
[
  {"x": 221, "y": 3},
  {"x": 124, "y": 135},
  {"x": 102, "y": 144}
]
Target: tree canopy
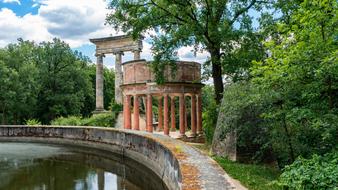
[
  {"x": 47, "y": 80},
  {"x": 216, "y": 26}
]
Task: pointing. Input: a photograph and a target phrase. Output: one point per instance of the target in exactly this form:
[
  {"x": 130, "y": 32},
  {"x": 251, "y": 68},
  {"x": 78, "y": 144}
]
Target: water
[{"x": 31, "y": 166}]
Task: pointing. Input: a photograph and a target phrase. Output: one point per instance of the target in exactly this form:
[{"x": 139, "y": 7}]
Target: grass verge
[{"x": 254, "y": 177}]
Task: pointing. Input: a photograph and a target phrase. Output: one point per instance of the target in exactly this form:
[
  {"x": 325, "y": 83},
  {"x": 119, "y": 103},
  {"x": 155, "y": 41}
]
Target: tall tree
[{"x": 208, "y": 25}]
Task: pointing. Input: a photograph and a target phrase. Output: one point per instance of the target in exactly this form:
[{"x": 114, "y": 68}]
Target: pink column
[
  {"x": 126, "y": 112},
  {"x": 182, "y": 115},
  {"x": 166, "y": 115},
  {"x": 160, "y": 114},
  {"x": 193, "y": 115},
  {"x": 136, "y": 121},
  {"x": 172, "y": 110},
  {"x": 149, "y": 113},
  {"x": 199, "y": 114}
]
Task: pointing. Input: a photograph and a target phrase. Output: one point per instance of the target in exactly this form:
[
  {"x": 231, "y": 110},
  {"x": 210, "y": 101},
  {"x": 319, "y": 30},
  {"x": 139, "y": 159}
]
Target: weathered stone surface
[
  {"x": 99, "y": 83},
  {"x": 179, "y": 165},
  {"x": 224, "y": 144}
]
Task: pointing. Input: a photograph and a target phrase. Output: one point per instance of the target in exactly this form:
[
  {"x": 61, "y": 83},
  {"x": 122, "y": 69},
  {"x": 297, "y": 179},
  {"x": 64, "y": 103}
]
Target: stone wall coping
[{"x": 179, "y": 165}]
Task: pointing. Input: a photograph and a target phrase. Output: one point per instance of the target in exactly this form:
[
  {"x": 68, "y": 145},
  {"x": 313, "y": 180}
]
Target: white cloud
[
  {"x": 73, "y": 21},
  {"x": 12, "y": 1}
]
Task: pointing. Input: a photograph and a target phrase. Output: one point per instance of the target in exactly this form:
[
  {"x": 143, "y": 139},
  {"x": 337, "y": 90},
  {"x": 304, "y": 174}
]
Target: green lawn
[{"x": 254, "y": 177}]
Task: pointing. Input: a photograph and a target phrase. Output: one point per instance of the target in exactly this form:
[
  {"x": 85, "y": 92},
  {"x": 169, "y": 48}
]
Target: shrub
[
  {"x": 70, "y": 121},
  {"x": 319, "y": 172},
  {"x": 31, "y": 122},
  {"x": 100, "y": 120}
]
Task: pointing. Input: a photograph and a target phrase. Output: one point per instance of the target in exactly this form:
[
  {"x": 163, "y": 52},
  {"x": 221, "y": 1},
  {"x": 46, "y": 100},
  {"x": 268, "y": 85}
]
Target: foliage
[
  {"x": 216, "y": 26},
  {"x": 254, "y": 177},
  {"x": 47, "y": 80},
  {"x": 290, "y": 106},
  {"x": 319, "y": 172},
  {"x": 300, "y": 80},
  {"x": 100, "y": 120},
  {"x": 209, "y": 113},
  {"x": 33, "y": 122}
]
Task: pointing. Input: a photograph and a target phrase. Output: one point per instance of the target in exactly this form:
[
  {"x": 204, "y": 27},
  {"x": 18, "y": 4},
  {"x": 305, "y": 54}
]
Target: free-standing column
[
  {"x": 182, "y": 115},
  {"x": 166, "y": 115},
  {"x": 160, "y": 114},
  {"x": 118, "y": 77},
  {"x": 149, "y": 113},
  {"x": 199, "y": 114},
  {"x": 193, "y": 115},
  {"x": 126, "y": 112},
  {"x": 99, "y": 82},
  {"x": 136, "y": 121},
  {"x": 172, "y": 110}
]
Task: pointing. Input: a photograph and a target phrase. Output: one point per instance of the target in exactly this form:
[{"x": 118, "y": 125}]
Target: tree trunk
[{"x": 217, "y": 74}]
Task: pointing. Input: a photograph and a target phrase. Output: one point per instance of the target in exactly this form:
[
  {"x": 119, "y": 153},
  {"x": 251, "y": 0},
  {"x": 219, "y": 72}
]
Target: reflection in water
[{"x": 28, "y": 166}]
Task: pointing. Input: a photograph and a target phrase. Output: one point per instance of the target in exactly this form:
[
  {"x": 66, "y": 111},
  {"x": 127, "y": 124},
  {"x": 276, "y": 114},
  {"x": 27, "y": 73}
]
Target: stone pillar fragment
[
  {"x": 137, "y": 55},
  {"x": 172, "y": 110},
  {"x": 193, "y": 115},
  {"x": 126, "y": 112},
  {"x": 182, "y": 115},
  {"x": 99, "y": 83},
  {"x": 160, "y": 114},
  {"x": 136, "y": 120},
  {"x": 166, "y": 115},
  {"x": 199, "y": 114},
  {"x": 149, "y": 113},
  {"x": 118, "y": 77}
]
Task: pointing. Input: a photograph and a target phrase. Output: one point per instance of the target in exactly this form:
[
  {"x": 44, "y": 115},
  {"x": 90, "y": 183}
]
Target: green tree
[
  {"x": 208, "y": 25},
  {"x": 18, "y": 82},
  {"x": 300, "y": 78},
  {"x": 63, "y": 79}
]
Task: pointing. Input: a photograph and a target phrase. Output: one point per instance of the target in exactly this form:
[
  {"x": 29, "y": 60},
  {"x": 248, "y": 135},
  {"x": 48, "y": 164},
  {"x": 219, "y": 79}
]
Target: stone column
[
  {"x": 118, "y": 77},
  {"x": 160, "y": 114},
  {"x": 99, "y": 83},
  {"x": 199, "y": 114},
  {"x": 149, "y": 113},
  {"x": 126, "y": 112},
  {"x": 172, "y": 110},
  {"x": 136, "y": 121},
  {"x": 137, "y": 54},
  {"x": 166, "y": 115},
  {"x": 193, "y": 115},
  {"x": 182, "y": 115}
]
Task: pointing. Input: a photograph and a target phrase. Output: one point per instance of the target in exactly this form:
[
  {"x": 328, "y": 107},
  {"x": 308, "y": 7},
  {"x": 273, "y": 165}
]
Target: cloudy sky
[{"x": 74, "y": 21}]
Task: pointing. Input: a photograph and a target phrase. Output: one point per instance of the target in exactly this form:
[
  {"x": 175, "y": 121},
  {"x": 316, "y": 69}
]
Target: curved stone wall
[
  {"x": 138, "y": 71},
  {"x": 177, "y": 164}
]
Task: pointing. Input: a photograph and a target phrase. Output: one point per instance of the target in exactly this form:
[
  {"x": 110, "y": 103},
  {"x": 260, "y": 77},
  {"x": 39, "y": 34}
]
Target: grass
[{"x": 254, "y": 177}]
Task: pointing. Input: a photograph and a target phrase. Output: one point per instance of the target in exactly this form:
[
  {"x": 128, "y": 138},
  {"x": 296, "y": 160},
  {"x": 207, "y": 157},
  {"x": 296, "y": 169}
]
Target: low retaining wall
[{"x": 177, "y": 164}]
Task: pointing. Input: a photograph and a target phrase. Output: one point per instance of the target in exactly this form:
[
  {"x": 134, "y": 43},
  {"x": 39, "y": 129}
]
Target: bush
[
  {"x": 70, "y": 121},
  {"x": 31, "y": 122},
  {"x": 99, "y": 120},
  {"x": 319, "y": 172}
]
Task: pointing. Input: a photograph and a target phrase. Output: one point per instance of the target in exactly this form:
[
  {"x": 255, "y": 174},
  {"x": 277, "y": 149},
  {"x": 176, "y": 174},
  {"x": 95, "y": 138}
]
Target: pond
[{"x": 33, "y": 166}]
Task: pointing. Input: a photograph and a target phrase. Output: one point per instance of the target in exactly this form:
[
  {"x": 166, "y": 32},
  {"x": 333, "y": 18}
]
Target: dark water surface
[{"x": 31, "y": 166}]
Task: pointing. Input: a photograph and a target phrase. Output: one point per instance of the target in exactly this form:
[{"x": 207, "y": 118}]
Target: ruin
[{"x": 135, "y": 80}]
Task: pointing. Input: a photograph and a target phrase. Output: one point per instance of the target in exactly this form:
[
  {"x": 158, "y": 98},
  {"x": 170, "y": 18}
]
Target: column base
[
  {"x": 182, "y": 137},
  {"x": 172, "y": 129}
]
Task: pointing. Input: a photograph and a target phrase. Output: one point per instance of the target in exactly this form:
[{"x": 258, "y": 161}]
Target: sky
[{"x": 73, "y": 21}]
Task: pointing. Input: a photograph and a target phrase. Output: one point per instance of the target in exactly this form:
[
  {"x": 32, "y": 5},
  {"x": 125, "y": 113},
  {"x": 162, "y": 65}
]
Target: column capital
[{"x": 100, "y": 55}]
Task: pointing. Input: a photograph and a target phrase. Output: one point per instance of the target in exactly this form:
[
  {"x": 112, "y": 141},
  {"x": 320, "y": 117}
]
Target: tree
[
  {"x": 64, "y": 81},
  {"x": 207, "y": 25}
]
